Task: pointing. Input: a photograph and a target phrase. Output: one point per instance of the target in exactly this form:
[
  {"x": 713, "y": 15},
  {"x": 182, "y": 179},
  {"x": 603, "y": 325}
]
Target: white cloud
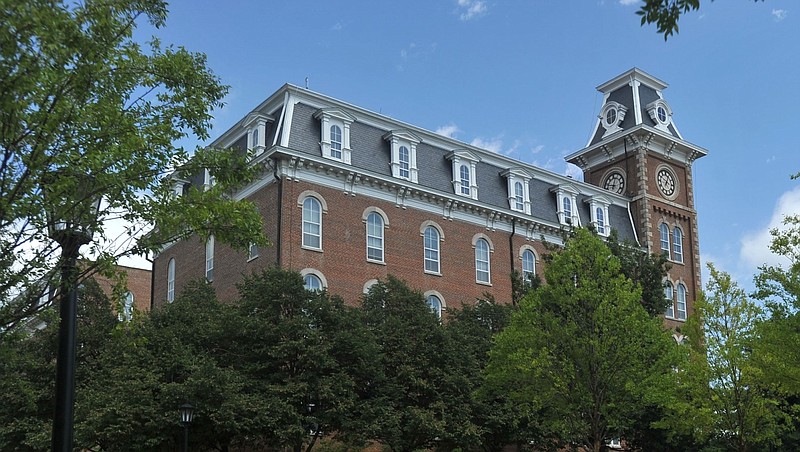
[
  {"x": 628, "y": 2},
  {"x": 449, "y": 131},
  {"x": 779, "y": 14},
  {"x": 472, "y": 9},
  {"x": 337, "y": 26},
  {"x": 573, "y": 171},
  {"x": 493, "y": 144},
  {"x": 755, "y": 245}
]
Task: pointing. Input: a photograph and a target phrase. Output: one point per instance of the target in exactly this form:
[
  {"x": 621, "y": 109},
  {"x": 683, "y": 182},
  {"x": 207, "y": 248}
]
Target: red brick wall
[
  {"x": 138, "y": 284},
  {"x": 343, "y": 258}
]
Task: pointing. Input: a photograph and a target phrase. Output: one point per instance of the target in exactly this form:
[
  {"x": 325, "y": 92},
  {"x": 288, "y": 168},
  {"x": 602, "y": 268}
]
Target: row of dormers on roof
[{"x": 335, "y": 145}]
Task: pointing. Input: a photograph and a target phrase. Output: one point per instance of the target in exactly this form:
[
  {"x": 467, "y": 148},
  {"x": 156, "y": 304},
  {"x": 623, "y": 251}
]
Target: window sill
[
  {"x": 428, "y": 272},
  {"x": 674, "y": 318},
  {"x": 371, "y": 261},
  {"x": 251, "y": 259},
  {"x": 318, "y": 250},
  {"x": 484, "y": 283}
]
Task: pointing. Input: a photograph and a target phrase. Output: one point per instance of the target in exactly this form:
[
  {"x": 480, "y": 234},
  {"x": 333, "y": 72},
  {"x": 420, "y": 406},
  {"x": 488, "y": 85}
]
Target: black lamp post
[
  {"x": 187, "y": 414},
  {"x": 70, "y": 224}
]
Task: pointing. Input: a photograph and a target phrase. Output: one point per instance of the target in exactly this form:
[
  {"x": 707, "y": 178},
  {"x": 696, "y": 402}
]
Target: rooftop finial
[{"x": 306, "y": 82}]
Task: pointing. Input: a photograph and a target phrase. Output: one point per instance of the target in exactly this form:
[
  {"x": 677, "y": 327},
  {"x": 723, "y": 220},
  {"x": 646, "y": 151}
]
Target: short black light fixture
[
  {"x": 187, "y": 415},
  {"x": 71, "y": 219}
]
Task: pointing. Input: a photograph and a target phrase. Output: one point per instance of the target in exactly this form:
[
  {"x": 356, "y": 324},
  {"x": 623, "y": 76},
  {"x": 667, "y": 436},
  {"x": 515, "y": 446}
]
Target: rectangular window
[
  {"x": 252, "y": 252},
  {"x": 210, "y": 259}
]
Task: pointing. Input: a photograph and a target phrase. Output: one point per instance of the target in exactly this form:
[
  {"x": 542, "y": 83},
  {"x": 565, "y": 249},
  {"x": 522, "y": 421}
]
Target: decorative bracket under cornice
[
  {"x": 491, "y": 218},
  {"x": 402, "y": 193},
  {"x": 670, "y": 148},
  {"x": 350, "y": 182},
  {"x": 447, "y": 212},
  {"x": 608, "y": 152}
]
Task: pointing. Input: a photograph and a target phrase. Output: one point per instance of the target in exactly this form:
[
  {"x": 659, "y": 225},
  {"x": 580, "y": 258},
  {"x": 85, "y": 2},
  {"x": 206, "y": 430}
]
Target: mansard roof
[{"x": 296, "y": 131}]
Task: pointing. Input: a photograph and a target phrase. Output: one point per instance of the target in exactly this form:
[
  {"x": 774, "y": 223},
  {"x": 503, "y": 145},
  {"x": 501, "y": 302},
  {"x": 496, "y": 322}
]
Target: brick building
[{"x": 350, "y": 196}]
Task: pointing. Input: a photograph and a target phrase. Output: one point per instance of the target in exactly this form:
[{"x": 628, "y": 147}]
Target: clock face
[
  {"x": 615, "y": 183},
  {"x": 666, "y": 182}
]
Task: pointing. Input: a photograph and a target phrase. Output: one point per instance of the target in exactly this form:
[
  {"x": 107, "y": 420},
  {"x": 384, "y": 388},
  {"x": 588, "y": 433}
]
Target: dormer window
[
  {"x": 599, "y": 208},
  {"x": 518, "y": 189},
  {"x": 335, "y": 133},
  {"x": 403, "y": 146},
  {"x": 567, "y": 201},
  {"x": 178, "y": 186},
  {"x": 208, "y": 179},
  {"x": 255, "y": 126},
  {"x": 660, "y": 113},
  {"x": 611, "y": 117},
  {"x": 465, "y": 164}
]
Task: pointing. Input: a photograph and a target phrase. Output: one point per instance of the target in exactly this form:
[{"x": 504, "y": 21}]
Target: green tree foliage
[
  {"x": 581, "y": 348},
  {"x": 494, "y": 419},
  {"x": 666, "y": 13},
  {"x": 312, "y": 359},
  {"x": 413, "y": 360},
  {"x": 742, "y": 413},
  {"x": 27, "y": 369},
  {"x": 646, "y": 270},
  {"x": 85, "y": 111}
]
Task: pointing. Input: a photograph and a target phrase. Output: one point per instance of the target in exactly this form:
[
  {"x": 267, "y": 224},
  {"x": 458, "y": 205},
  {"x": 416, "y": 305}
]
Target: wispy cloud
[
  {"x": 493, "y": 144},
  {"x": 449, "y": 130},
  {"x": 628, "y": 2},
  {"x": 779, "y": 14},
  {"x": 471, "y": 9},
  {"x": 337, "y": 26}
]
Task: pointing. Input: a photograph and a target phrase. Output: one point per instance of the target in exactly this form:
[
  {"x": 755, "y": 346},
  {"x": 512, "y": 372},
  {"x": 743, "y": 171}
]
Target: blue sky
[{"x": 519, "y": 78}]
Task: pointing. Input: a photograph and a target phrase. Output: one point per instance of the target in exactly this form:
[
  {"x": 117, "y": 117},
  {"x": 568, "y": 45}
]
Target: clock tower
[{"x": 637, "y": 151}]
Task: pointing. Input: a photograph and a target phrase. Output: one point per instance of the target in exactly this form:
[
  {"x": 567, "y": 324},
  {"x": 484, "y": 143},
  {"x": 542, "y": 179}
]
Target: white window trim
[
  {"x": 677, "y": 245},
  {"x": 600, "y": 202},
  {"x": 490, "y": 251},
  {"x": 368, "y": 285},
  {"x": 670, "y": 311},
  {"x": 256, "y": 122},
  {"x": 652, "y": 110},
  {"x": 423, "y": 227},
  {"x": 442, "y": 304},
  {"x": 210, "y": 259},
  {"x": 250, "y": 255},
  {"x": 570, "y": 192},
  {"x": 522, "y": 251},
  {"x": 614, "y": 126},
  {"x": 681, "y": 314},
  {"x": 513, "y": 176},
  {"x": 171, "y": 280},
  {"x": 396, "y": 139},
  {"x": 324, "y": 209},
  {"x": 364, "y": 217},
  {"x": 312, "y": 271},
  {"x": 341, "y": 118},
  {"x": 668, "y": 249},
  {"x": 208, "y": 179},
  {"x": 461, "y": 157}
]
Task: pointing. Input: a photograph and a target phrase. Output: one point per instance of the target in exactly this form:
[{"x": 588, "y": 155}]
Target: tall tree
[
  {"x": 646, "y": 270},
  {"x": 722, "y": 334},
  {"x": 311, "y": 357},
  {"x": 581, "y": 350},
  {"x": 85, "y": 111},
  {"x": 411, "y": 343}
]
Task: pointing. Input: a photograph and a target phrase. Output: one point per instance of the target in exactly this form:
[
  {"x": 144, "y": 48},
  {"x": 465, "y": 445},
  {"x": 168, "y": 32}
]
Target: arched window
[
  {"x": 375, "y": 237},
  {"x": 431, "y": 244},
  {"x": 680, "y": 304},
  {"x": 664, "y": 232},
  {"x": 601, "y": 221},
  {"x": 677, "y": 245},
  {"x": 528, "y": 266},
  {"x": 210, "y": 258},
  {"x": 464, "y": 174},
  {"x": 435, "y": 304},
  {"x": 312, "y": 223},
  {"x": 482, "y": 269},
  {"x": 405, "y": 162},
  {"x": 312, "y": 282},
  {"x": 255, "y": 138},
  {"x": 336, "y": 142},
  {"x": 519, "y": 200},
  {"x": 567, "y": 207},
  {"x": 171, "y": 280},
  {"x": 670, "y": 311}
]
